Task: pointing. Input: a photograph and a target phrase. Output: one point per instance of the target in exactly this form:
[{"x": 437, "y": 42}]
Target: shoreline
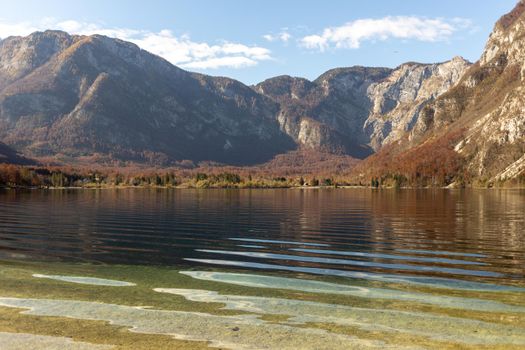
[{"x": 346, "y": 187}]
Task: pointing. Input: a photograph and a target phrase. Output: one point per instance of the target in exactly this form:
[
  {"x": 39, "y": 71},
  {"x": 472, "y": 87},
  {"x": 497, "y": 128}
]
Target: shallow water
[
  {"x": 302, "y": 312},
  {"x": 20, "y": 341},
  {"x": 434, "y": 268}
]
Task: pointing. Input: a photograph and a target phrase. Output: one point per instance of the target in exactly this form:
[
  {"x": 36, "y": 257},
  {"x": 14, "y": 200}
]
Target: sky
[{"x": 252, "y": 40}]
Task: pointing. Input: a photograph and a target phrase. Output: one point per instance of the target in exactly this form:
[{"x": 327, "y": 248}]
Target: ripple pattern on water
[
  {"x": 389, "y": 256},
  {"x": 346, "y": 262},
  {"x": 472, "y": 236},
  {"x": 262, "y": 281},
  {"x": 433, "y": 282}
]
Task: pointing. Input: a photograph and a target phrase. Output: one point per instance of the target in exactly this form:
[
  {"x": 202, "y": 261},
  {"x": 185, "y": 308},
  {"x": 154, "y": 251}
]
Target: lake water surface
[{"x": 352, "y": 268}]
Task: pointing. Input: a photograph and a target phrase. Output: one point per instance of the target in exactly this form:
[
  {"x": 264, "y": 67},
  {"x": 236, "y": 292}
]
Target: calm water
[
  {"x": 271, "y": 269},
  {"x": 463, "y": 235}
]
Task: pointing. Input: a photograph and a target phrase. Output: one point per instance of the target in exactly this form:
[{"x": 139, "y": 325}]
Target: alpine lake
[{"x": 262, "y": 269}]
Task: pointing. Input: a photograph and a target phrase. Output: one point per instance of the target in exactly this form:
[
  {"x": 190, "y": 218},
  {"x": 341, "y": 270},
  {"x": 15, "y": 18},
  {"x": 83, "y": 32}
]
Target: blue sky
[{"x": 254, "y": 40}]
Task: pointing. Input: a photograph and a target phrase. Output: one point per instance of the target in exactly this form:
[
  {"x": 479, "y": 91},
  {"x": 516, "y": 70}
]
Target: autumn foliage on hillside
[
  {"x": 433, "y": 163},
  {"x": 303, "y": 162}
]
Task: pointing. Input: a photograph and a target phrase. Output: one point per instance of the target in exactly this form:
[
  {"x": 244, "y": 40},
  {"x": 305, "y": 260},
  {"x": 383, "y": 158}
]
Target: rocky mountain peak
[
  {"x": 21, "y": 55},
  {"x": 285, "y": 88},
  {"x": 510, "y": 18},
  {"x": 507, "y": 40},
  {"x": 351, "y": 78}
]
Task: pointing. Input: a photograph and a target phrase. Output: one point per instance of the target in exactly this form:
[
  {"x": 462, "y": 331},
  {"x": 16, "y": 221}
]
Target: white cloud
[
  {"x": 352, "y": 34},
  {"x": 179, "y": 50},
  {"x": 22, "y": 28},
  {"x": 283, "y": 36},
  {"x": 232, "y": 62},
  {"x": 186, "y": 53}
]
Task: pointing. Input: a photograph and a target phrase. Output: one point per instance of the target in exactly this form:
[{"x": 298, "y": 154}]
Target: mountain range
[{"x": 69, "y": 97}]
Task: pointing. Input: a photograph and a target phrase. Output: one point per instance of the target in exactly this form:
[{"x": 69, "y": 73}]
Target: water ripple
[{"x": 472, "y": 236}]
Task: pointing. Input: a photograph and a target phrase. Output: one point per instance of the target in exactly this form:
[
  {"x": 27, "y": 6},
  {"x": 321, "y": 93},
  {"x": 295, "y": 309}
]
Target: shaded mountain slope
[
  {"x": 78, "y": 95},
  {"x": 8, "y": 155}
]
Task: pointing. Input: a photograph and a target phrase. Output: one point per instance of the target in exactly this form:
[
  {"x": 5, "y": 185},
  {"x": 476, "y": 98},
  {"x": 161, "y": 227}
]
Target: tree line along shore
[{"x": 15, "y": 176}]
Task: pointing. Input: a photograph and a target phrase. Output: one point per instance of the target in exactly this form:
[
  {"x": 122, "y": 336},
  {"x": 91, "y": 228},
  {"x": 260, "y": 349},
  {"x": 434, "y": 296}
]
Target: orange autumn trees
[{"x": 433, "y": 163}]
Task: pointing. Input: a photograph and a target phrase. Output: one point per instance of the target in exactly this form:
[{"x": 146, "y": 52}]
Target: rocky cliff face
[
  {"x": 78, "y": 96},
  {"x": 397, "y": 101},
  {"x": 479, "y": 122},
  {"x": 494, "y": 145},
  {"x": 328, "y": 113},
  {"x": 489, "y": 104},
  {"x": 357, "y": 110}
]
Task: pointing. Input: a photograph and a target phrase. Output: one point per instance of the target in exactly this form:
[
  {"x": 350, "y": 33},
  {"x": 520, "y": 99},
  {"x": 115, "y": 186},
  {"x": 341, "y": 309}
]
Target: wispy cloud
[
  {"x": 186, "y": 53},
  {"x": 283, "y": 36},
  {"x": 179, "y": 50},
  {"x": 353, "y": 34}
]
